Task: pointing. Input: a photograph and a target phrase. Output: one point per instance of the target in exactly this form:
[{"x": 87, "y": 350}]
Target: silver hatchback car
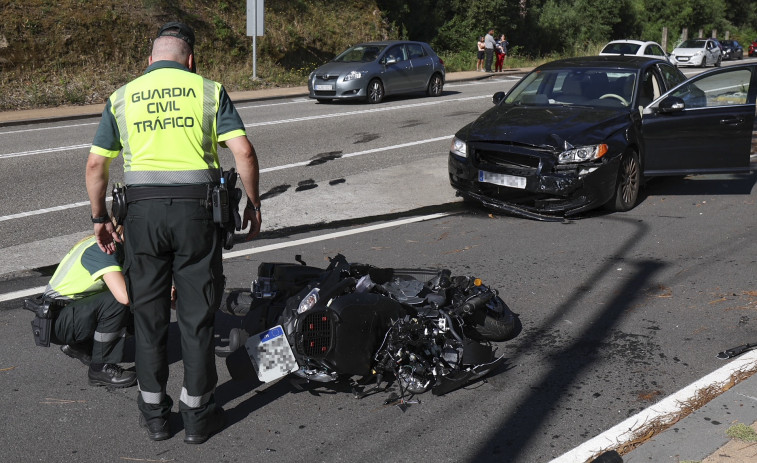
[{"x": 371, "y": 71}]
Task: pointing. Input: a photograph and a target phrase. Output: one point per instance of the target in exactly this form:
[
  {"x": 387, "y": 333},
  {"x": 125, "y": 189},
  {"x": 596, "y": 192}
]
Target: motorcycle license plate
[
  {"x": 512, "y": 181},
  {"x": 271, "y": 354}
]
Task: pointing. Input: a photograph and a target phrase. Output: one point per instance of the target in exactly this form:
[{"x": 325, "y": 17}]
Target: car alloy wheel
[
  {"x": 435, "y": 85},
  {"x": 628, "y": 184},
  {"x": 375, "y": 91}
]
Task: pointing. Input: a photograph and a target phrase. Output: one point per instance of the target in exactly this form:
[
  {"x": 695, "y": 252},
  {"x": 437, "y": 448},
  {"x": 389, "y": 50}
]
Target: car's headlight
[
  {"x": 583, "y": 154},
  {"x": 459, "y": 147},
  {"x": 353, "y": 75},
  {"x": 699, "y": 52}
]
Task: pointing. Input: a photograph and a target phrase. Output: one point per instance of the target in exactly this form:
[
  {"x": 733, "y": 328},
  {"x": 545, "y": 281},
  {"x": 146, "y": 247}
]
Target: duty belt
[{"x": 200, "y": 191}]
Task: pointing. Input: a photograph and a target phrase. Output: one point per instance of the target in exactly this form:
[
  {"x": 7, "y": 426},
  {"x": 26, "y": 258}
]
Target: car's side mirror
[
  {"x": 498, "y": 97},
  {"x": 390, "y": 60},
  {"x": 671, "y": 104}
]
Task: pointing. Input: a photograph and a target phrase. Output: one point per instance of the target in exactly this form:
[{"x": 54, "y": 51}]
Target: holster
[
  {"x": 227, "y": 210},
  {"x": 119, "y": 203},
  {"x": 45, "y": 312}
]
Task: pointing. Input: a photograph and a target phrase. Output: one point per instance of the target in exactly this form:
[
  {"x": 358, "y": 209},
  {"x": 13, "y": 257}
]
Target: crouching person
[{"x": 85, "y": 309}]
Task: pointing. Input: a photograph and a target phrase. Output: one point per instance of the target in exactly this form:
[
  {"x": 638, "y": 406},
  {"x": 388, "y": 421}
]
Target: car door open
[{"x": 704, "y": 125}]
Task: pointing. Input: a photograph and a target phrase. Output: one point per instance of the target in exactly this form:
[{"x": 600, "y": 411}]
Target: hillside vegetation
[{"x": 55, "y": 52}]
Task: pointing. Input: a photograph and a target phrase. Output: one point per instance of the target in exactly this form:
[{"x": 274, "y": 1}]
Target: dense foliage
[
  {"x": 543, "y": 27},
  {"x": 56, "y": 52}
]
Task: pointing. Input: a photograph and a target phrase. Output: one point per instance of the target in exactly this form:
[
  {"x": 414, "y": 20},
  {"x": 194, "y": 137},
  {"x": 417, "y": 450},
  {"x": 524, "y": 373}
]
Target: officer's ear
[{"x": 191, "y": 62}]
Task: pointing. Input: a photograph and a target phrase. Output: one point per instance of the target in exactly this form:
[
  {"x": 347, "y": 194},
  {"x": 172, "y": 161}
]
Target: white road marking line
[
  {"x": 272, "y": 247},
  {"x": 664, "y": 411},
  {"x": 44, "y": 151},
  {"x": 268, "y": 169}
]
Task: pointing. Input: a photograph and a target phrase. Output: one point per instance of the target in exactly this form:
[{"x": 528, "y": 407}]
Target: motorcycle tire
[{"x": 499, "y": 324}]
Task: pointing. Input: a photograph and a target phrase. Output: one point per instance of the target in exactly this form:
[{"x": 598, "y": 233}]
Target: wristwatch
[{"x": 101, "y": 219}]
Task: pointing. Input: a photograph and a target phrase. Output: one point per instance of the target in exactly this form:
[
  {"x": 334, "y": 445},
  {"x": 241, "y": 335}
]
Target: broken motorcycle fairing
[{"x": 352, "y": 320}]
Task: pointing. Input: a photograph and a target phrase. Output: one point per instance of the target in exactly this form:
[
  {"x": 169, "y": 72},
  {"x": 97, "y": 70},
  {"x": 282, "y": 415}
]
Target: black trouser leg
[
  {"x": 174, "y": 240},
  {"x": 99, "y": 318}
]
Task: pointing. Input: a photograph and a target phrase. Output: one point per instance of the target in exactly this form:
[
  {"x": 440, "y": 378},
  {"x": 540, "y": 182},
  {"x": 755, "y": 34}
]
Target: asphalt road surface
[{"x": 619, "y": 310}]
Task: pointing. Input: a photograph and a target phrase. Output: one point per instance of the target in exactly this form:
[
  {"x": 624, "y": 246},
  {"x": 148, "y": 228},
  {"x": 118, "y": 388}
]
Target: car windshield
[
  {"x": 693, "y": 43},
  {"x": 360, "y": 54},
  {"x": 584, "y": 87},
  {"x": 622, "y": 48}
]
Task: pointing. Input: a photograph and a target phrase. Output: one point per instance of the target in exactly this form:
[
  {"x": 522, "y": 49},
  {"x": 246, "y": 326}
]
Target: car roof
[
  {"x": 606, "y": 61},
  {"x": 389, "y": 42},
  {"x": 636, "y": 42}
]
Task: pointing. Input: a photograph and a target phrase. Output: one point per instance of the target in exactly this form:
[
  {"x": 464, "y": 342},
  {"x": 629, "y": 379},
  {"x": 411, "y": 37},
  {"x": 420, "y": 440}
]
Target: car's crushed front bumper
[{"x": 550, "y": 191}]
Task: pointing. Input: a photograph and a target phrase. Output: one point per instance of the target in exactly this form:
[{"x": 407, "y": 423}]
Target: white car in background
[
  {"x": 635, "y": 48},
  {"x": 697, "y": 52}
]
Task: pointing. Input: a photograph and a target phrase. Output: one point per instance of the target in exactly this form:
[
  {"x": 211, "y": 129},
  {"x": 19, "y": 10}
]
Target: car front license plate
[
  {"x": 683, "y": 58},
  {"x": 322, "y": 87},
  {"x": 512, "y": 181},
  {"x": 271, "y": 354}
]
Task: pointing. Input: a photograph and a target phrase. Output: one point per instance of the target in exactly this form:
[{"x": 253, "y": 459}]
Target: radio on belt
[{"x": 220, "y": 198}]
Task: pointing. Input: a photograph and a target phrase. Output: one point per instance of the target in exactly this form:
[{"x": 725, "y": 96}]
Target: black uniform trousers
[
  {"x": 174, "y": 240},
  {"x": 98, "y": 319}
]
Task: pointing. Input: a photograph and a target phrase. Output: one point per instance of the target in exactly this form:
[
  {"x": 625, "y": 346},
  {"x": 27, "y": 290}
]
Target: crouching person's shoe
[
  {"x": 157, "y": 428},
  {"x": 80, "y": 352},
  {"x": 215, "y": 424},
  {"x": 110, "y": 374}
]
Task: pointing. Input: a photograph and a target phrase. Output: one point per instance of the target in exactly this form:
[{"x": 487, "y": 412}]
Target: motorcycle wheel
[{"x": 499, "y": 324}]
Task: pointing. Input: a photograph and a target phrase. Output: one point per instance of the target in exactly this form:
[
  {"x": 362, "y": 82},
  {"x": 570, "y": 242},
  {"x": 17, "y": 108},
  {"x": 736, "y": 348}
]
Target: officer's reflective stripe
[
  {"x": 208, "y": 120},
  {"x": 108, "y": 337},
  {"x": 155, "y": 398},
  {"x": 119, "y": 109},
  {"x": 171, "y": 177},
  {"x": 194, "y": 401}
]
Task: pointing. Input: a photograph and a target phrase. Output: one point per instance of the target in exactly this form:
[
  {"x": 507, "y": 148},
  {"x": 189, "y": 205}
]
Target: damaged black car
[{"x": 581, "y": 133}]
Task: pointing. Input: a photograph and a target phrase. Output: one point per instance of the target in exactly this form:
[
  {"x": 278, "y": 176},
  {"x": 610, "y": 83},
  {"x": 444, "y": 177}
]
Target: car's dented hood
[{"x": 542, "y": 126}]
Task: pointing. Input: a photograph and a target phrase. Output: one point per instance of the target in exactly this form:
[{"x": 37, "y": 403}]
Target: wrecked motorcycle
[{"x": 356, "y": 320}]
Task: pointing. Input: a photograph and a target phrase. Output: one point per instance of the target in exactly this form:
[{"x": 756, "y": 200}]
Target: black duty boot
[
  {"x": 215, "y": 424},
  {"x": 157, "y": 428},
  {"x": 111, "y": 375},
  {"x": 80, "y": 352}
]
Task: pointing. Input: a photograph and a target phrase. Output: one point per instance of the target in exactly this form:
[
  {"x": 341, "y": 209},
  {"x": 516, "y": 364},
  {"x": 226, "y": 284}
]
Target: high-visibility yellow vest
[{"x": 166, "y": 121}]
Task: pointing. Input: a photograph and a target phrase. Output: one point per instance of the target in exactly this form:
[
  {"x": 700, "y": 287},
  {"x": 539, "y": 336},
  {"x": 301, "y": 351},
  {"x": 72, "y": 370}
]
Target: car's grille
[
  {"x": 326, "y": 77},
  {"x": 507, "y": 159},
  {"x": 316, "y": 334},
  {"x": 327, "y": 93}
]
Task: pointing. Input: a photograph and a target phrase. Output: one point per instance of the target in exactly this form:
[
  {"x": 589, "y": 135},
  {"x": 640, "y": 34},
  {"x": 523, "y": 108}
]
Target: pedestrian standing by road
[
  {"x": 88, "y": 311},
  {"x": 501, "y": 46},
  {"x": 168, "y": 124},
  {"x": 480, "y": 54},
  {"x": 489, "y": 49}
]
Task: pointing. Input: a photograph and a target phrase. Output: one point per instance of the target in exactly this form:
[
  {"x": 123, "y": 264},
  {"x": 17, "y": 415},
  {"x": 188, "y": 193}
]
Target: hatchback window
[
  {"x": 693, "y": 43},
  {"x": 360, "y": 54},
  {"x": 396, "y": 52},
  {"x": 721, "y": 89},
  {"x": 415, "y": 50}
]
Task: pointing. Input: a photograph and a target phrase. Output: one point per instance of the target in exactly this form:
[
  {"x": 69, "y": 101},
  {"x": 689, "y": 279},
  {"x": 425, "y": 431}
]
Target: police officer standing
[{"x": 168, "y": 123}]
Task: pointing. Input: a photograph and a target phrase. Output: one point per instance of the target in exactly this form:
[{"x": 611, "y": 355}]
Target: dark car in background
[
  {"x": 374, "y": 70},
  {"x": 581, "y": 133},
  {"x": 732, "y": 49}
]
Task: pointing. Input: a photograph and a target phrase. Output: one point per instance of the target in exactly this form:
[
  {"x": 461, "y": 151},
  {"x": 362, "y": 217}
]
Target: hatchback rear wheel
[
  {"x": 375, "y": 91},
  {"x": 435, "y": 86}
]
